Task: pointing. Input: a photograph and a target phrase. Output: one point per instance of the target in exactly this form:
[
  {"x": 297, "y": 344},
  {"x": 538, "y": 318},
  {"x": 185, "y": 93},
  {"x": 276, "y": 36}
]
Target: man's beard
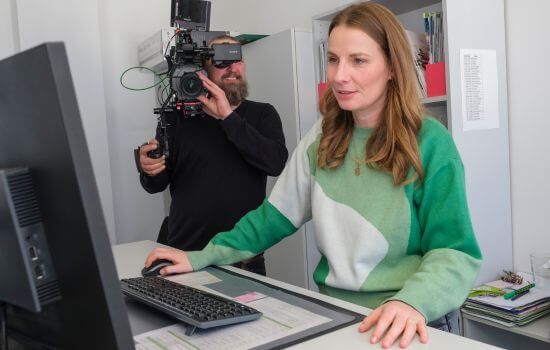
[{"x": 235, "y": 92}]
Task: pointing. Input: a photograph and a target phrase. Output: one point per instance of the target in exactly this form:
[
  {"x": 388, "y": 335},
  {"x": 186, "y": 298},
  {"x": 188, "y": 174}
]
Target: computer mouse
[{"x": 156, "y": 266}]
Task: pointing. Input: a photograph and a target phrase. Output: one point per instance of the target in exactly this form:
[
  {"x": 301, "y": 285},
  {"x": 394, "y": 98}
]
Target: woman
[{"x": 383, "y": 185}]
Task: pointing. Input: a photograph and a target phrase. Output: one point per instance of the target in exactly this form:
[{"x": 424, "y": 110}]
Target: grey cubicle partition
[{"x": 280, "y": 71}]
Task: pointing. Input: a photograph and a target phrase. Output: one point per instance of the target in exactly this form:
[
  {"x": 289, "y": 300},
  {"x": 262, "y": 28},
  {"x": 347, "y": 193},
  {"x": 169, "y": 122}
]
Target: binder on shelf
[
  {"x": 435, "y": 79},
  {"x": 323, "y": 61},
  {"x": 420, "y": 52},
  {"x": 433, "y": 31}
]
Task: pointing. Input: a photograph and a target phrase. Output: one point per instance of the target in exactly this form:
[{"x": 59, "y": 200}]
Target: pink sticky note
[{"x": 248, "y": 297}]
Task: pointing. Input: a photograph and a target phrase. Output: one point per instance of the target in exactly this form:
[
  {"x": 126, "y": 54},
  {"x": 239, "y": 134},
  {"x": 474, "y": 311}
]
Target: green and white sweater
[{"x": 378, "y": 241}]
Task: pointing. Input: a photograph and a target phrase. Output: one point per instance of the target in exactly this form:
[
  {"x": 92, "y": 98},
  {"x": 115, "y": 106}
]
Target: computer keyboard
[{"x": 195, "y": 307}]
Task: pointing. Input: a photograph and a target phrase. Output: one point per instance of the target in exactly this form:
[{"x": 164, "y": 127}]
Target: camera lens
[{"x": 191, "y": 84}]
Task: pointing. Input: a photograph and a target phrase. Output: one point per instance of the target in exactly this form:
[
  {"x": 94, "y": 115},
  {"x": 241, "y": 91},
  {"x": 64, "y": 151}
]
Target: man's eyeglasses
[{"x": 224, "y": 64}]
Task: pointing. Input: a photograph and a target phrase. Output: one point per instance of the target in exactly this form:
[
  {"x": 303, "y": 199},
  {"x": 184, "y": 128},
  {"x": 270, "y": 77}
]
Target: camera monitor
[
  {"x": 42, "y": 131},
  {"x": 191, "y": 14}
]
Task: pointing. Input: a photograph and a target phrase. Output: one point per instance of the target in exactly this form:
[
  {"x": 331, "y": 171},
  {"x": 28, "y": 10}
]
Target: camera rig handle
[
  {"x": 163, "y": 147},
  {"x": 161, "y": 136}
]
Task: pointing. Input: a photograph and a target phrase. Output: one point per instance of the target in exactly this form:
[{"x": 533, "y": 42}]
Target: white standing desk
[{"x": 129, "y": 259}]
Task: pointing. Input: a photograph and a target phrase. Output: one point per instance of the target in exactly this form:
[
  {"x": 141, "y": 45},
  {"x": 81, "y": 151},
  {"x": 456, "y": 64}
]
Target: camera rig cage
[{"x": 191, "y": 19}]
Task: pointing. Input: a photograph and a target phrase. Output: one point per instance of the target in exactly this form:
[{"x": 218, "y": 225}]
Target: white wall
[
  {"x": 75, "y": 23},
  {"x": 130, "y": 118},
  {"x": 267, "y": 16},
  {"x": 9, "y": 43},
  {"x": 528, "y": 53}
]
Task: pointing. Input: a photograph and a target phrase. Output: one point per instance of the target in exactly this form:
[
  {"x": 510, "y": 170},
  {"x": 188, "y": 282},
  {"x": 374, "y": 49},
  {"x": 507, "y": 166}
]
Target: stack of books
[{"x": 512, "y": 311}]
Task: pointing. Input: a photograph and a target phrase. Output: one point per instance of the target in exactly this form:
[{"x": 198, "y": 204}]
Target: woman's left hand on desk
[{"x": 395, "y": 318}]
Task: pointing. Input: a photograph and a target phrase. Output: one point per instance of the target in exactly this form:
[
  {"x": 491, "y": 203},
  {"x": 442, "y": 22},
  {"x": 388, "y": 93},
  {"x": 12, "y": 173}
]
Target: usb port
[
  {"x": 33, "y": 252},
  {"x": 39, "y": 272}
]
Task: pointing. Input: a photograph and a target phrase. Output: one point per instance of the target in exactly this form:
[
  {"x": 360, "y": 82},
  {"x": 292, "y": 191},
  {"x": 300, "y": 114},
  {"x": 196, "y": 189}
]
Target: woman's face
[{"x": 357, "y": 71}]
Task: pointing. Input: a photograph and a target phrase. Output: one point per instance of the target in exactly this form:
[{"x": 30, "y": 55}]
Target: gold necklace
[{"x": 358, "y": 163}]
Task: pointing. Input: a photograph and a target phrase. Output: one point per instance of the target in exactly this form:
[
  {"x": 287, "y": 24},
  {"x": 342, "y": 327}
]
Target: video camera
[
  {"x": 186, "y": 59},
  {"x": 191, "y": 19}
]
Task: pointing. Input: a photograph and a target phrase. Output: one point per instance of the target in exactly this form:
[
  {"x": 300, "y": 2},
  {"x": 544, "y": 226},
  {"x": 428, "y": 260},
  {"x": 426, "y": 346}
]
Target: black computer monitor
[{"x": 41, "y": 129}]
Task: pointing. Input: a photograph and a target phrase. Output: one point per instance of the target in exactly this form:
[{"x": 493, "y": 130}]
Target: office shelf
[
  {"x": 280, "y": 71},
  {"x": 435, "y": 101}
]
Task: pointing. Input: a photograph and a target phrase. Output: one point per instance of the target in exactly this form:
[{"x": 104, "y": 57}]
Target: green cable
[{"x": 162, "y": 79}]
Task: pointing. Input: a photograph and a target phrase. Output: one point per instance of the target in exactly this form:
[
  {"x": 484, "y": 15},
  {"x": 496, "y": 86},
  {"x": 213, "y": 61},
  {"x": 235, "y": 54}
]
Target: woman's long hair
[{"x": 392, "y": 147}]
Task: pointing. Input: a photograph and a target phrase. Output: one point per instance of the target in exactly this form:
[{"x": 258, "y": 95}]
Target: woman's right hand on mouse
[{"x": 177, "y": 257}]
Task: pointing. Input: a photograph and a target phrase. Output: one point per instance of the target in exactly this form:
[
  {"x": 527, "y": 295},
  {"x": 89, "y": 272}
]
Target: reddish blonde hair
[{"x": 392, "y": 147}]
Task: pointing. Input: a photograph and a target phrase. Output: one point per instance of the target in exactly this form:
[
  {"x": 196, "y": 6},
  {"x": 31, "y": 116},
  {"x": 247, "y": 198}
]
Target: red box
[
  {"x": 321, "y": 88},
  {"x": 435, "y": 79}
]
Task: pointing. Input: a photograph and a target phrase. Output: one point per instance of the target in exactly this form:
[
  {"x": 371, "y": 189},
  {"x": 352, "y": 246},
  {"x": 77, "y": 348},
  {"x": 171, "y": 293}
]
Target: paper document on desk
[
  {"x": 279, "y": 320},
  {"x": 194, "y": 279}
]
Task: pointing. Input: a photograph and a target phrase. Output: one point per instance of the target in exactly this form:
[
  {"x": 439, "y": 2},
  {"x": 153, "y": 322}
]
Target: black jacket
[{"x": 217, "y": 170}]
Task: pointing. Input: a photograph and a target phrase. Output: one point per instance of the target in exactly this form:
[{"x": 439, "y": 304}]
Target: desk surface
[{"x": 129, "y": 260}]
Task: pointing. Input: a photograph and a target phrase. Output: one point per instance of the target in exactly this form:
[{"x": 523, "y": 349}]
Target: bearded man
[{"x": 219, "y": 163}]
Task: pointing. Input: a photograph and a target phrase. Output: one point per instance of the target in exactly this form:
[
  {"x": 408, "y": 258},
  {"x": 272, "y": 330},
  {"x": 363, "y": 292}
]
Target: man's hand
[
  {"x": 395, "y": 318},
  {"x": 151, "y": 166},
  {"x": 177, "y": 257},
  {"x": 217, "y": 104}
]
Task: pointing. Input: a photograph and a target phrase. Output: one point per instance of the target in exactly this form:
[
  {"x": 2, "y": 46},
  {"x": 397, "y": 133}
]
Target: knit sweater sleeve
[
  {"x": 451, "y": 255},
  {"x": 287, "y": 208}
]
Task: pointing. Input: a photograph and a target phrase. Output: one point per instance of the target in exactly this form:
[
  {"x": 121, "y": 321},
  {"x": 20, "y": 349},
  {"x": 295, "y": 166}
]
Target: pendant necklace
[{"x": 358, "y": 163}]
